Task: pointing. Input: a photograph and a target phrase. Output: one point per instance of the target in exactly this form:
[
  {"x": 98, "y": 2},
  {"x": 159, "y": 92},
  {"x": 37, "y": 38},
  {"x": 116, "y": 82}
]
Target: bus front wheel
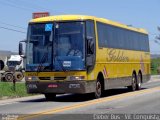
[
  {"x": 50, "y": 96},
  {"x": 99, "y": 89}
]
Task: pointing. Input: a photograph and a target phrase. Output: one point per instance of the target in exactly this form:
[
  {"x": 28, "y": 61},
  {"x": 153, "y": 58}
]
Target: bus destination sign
[{"x": 40, "y": 14}]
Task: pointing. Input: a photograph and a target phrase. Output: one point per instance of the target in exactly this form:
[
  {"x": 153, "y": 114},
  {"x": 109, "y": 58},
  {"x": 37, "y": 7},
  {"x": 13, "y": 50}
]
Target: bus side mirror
[
  {"x": 20, "y": 48},
  {"x": 90, "y": 45}
]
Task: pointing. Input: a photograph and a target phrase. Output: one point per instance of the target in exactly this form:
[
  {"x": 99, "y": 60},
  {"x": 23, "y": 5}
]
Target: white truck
[{"x": 13, "y": 69}]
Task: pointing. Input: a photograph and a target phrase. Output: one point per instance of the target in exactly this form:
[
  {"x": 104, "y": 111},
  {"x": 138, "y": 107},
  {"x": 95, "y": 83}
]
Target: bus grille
[
  {"x": 59, "y": 78},
  {"x": 44, "y": 78},
  {"x": 49, "y": 78}
]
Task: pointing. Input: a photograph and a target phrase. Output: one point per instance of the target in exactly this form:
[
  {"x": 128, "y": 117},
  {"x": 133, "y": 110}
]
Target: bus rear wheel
[
  {"x": 134, "y": 83},
  {"x": 139, "y": 81},
  {"x": 50, "y": 96}
]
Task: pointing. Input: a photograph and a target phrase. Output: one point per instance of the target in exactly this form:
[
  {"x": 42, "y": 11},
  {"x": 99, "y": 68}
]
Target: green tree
[{"x": 157, "y": 38}]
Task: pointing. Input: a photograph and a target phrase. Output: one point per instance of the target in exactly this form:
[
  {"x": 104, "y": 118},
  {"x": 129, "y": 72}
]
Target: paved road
[{"x": 73, "y": 107}]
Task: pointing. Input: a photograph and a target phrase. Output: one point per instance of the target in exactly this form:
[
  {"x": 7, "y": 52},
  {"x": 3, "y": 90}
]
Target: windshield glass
[
  {"x": 56, "y": 46},
  {"x": 69, "y": 46},
  {"x": 39, "y": 47},
  {"x": 69, "y": 39},
  {"x": 13, "y": 63}
]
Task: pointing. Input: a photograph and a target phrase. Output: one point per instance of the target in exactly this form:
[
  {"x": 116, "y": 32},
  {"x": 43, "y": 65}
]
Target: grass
[
  {"x": 7, "y": 90},
  {"x": 155, "y": 63}
]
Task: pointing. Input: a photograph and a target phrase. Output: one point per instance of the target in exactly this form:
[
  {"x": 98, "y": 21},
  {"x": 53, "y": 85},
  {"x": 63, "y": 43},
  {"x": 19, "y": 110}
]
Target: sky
[{"x": 15, "y": 15}]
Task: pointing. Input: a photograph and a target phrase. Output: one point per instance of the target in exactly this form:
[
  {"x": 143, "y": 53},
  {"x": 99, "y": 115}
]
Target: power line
[
  {"x": 12, "y": 29},
  {"x": 12, "y": 25},
  {"x": 15, "y": 6},
  {"x": 31, "y": 4}
]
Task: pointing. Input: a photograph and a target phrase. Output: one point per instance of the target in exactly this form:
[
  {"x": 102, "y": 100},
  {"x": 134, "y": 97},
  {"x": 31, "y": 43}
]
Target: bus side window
[{"x": 90, "y": 33}]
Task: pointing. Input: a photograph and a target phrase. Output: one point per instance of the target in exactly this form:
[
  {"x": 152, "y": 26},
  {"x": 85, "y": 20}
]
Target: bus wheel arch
[{"x": 99, "y": 88}]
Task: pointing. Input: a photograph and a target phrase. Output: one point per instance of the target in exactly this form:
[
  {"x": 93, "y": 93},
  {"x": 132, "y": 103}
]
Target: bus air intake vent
[
  {"x": 44, "y": 78},
  {"x": 59, "y": 78}
]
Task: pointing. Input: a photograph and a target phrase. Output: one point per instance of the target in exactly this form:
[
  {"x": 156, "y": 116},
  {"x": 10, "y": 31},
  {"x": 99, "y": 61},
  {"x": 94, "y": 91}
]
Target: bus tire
[
  {"x": 139, "y": 81},
  {"x": 50, "y": 96},
  {"x": 99, "y": 88},
  {"x": 9, "y": 77},
  {"x": 134, "y": 81}
]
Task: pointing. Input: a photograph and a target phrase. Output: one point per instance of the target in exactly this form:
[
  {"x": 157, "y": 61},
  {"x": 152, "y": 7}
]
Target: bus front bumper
[{"x": 60, "y": 86}]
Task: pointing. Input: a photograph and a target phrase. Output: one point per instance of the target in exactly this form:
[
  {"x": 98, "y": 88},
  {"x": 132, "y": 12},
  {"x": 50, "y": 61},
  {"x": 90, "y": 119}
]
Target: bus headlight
[
  {"x": 75, "y": 77},
  {"x": 31, "y": 78}
]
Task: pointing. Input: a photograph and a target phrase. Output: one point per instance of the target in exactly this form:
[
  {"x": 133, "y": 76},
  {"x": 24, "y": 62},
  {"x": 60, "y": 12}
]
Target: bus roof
[{"x": 84, "y": 17}]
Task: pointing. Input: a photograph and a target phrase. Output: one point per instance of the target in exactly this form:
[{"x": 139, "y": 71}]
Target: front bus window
[
  {"x": 39, "y": 47},
  {"x": 56, "y": 47},
  {"x": 69, "y": 46}
]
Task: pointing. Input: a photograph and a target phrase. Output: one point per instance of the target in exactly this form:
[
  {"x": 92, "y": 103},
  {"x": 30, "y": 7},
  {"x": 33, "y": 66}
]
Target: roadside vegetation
[
  {"x": 7, "y": 90},
  {"x": 155, "y": 66}
]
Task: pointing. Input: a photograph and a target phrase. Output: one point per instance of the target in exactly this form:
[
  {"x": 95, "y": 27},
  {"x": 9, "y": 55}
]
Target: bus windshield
[
  {"x": 39, "y": 47},
  {"x": 56, "y": 46}
]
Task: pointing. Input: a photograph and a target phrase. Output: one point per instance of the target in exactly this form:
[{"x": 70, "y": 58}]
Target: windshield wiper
[{"x": 43, "y": 59}]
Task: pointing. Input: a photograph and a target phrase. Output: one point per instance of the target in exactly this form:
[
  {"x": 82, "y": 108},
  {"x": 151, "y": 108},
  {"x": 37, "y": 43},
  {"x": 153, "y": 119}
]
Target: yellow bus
[{"x": 84, "y": 54}]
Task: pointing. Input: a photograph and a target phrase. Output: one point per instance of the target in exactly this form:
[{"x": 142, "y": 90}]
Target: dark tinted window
[
  {"x": 90, "y": 31},
  {"x": 102, "y": 35},
  {"x": 115, "y": 37}
]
